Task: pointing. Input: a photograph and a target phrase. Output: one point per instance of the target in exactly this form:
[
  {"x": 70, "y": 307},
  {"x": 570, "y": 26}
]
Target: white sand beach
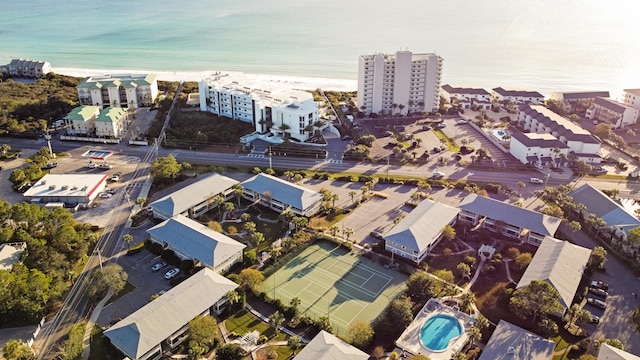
[{"x": 296, "y": 82}]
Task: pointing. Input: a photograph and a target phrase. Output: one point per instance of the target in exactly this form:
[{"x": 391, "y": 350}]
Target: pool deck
[{"x": 409, "y": 341}]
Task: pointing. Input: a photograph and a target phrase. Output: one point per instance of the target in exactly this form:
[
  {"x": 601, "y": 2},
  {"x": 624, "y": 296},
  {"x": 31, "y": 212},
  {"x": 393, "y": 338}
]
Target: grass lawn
[
  {"x": 243, "y": 322},
  {"x": 325, "y": 222},
  {"x": 101, "y": 348}
]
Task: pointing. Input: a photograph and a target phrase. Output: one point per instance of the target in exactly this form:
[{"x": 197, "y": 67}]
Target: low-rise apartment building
[
  {"x": 577, "y": 102},
  {"x": 450, "y": 93},
  {"x": 279, "y": 195},
  {"x": 110, "y": 122},
  {"x": 518, "y": 96},
  {"x": 118, "y": 90},
  {"x": 508, "y": 220},
  {"x": 631, "y": 97},
  {"x": 273, "y": 109},
  {"x": 551, "y": 139},
  {"x": 28, "y": 68},
  {"x": 611, "y": 112}
]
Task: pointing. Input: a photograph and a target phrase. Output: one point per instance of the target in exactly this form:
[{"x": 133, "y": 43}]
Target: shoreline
[{"x": 296, "y": 82}]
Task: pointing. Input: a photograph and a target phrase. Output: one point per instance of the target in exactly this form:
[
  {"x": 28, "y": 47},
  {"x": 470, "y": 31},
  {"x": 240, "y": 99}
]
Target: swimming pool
[{"x": 437, "y": 332}]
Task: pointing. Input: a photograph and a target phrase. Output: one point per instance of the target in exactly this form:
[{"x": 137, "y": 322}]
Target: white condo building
[
  {"x": 281, "y": 111},
  {"x": 124, "y": 90},
  {"x": 399, "y": 83},
  {"x": 631, "y": 97}
]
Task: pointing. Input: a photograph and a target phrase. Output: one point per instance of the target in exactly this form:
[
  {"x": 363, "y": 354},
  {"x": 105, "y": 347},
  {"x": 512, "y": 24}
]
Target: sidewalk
[{"x": 86, "y": 340}]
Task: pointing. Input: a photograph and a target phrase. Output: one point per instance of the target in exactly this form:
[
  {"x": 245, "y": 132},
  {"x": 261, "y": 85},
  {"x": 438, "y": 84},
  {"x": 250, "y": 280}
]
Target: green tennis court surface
[{"x": 330, "y": 280}]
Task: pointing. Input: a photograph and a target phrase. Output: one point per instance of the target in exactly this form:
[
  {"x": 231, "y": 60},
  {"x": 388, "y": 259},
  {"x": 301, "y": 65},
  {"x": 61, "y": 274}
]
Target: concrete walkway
[{"x": 86, "y": 340}]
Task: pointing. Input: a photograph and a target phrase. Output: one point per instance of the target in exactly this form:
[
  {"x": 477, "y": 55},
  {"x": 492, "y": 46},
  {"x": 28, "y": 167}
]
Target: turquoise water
[
  {"x": 438, "y": 330},
  {"x": 541, "y": 45}
]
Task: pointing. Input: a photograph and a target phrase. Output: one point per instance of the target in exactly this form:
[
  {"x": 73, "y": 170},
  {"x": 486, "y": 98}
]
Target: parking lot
[{"x": 147, "y": 282}]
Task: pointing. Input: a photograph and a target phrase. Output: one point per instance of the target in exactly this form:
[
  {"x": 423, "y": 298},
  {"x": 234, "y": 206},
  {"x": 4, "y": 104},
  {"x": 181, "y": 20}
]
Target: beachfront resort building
[
  {"x": 163, "y": 324},
  {"x": 399, "y": 83},
  {"x": 195, "y": 199},
  {"x": 118, "y": 90},
  {"x": 551, "y": 139},
  {"x": 420, "y": 231},
  {"x": 27, "y": 68},
  {"x": 611, "y": 112},
  {"x": 279, "y": 195},
  {"x": 508, "y": 220},
  {"x": 631, "y": 97},
  {"x": 275, "y": 110},
  {"x": 87, "y": 120},
  {"x": 67, "y": 189},
  {"x": 577, "y": 102},
  {"x": 517, "y": 96}
]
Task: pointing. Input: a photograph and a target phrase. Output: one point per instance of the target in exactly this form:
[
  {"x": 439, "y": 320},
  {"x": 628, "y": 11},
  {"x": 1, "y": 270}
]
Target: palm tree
[
  {"x": 289, "y": 175},
  {"x": 293, "y": 343},
  {"x": 128, "y": 239},
  {"x": 218, "y": 200},
  {"x": 257, "y": 238},
  {"x": 334, "y": 197},
  {"x": 418, "y": 142},
  {"x": 275, "y": 320},
  {"x": 334, "y": 230},
  {"x": 521, "y": 185},
  {"x": 294, "y": 303},
  {"x": 353, "y": 194},
  {"x": 237, "y": 192},
  {"x": 229, "y": 207},
  {"x": 300, "y": 222},
  {"x": 347, "y": 232}
]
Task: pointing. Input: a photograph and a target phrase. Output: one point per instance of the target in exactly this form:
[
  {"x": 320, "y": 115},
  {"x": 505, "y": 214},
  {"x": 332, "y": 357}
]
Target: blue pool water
[{"x": 438, "y": 330}]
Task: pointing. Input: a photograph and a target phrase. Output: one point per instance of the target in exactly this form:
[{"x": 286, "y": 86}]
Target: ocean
[{"x": 544, "y": 45}]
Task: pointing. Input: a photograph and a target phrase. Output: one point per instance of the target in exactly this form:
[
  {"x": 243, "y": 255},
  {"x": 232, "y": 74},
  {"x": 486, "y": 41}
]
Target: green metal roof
[
  {"x": 111, "y": 114},
  {"x": 83, "y": 113}
]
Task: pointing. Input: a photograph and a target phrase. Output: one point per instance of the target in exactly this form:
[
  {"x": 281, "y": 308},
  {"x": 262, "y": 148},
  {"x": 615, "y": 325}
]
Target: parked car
[
  {"x": 598, "y": 291},
  {"x": 441, "y": 126},
  {"x": 50, "y": 165},
  {"x": 376, "y": 235},
  {"x": 595, "y": 319},
  {"x": 158, "y": 266},
  {"x": 600, "y": 284},
  {"x": 597, "y": 303},
  {"x": 436, "y": 150},
  {"x": 346, "y": 137},
  {"x": 115, "y": 178},
  {"x": 426, "y": 127},
  {"x": 534, "y": 180},
  {"x": 171, "y": 273},
  {"x": 105, "y": 195},
  {"x": 91, "y": 165},
  {"x": 461, "y": 121},
  {"x": 438, "y": 175},
  {"x": 111, "y": 191},
  {"x": 105, "y": 166}
]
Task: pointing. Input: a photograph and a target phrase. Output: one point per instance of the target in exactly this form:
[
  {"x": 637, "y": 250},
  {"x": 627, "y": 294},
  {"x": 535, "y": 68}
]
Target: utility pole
[
  {"x": 270, "y": 165},
  {"x": 388, "y": 167},
  {"x": 47, "y": 137}
]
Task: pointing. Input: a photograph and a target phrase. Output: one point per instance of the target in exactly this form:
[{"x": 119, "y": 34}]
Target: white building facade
[
  {"x": 272, "y": 109},
  {"x": 611, "y": 112},
  {"x": 631, "y": 97},
  {"x": 111, "y": 122},
  {"x": 577, "y": 101},
  {"x": 518, "y": 96},
  {"x": 399, "y": 83},
  {"x": 121, "y": 90},
  {"x": 551, "y": 138},
  {"x": 29, "y": 68}
]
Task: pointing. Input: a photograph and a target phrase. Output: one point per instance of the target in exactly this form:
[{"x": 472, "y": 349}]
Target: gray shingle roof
[
  {"x": 524, "y": 218},
  {"x": 195, "y": 240},
  {"x": 534, "y": 140},
  {"x": 559, "y": 263},
  {"x": 608, "y": 352},
  {"x": 521, "y": 93},
  {"x": 598, "y": 203},
  {"x": 422, "y": 227},
  {"x": 459, "y": 90},
  {"x": 584, "y": 95},
  {"x": 558, "y": 123},
  {"x": 509, "y": 342},
  {"x": 325, "y": 346},
  {"x": 147, "y": 327},
  {"x": 610, "y": 105},
  {"x": 283, "y": 191},
  {"x": 191, "y": 195}
]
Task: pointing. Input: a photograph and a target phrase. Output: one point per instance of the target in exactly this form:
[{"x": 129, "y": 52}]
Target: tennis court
[{"x": 329, "y": 280}]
